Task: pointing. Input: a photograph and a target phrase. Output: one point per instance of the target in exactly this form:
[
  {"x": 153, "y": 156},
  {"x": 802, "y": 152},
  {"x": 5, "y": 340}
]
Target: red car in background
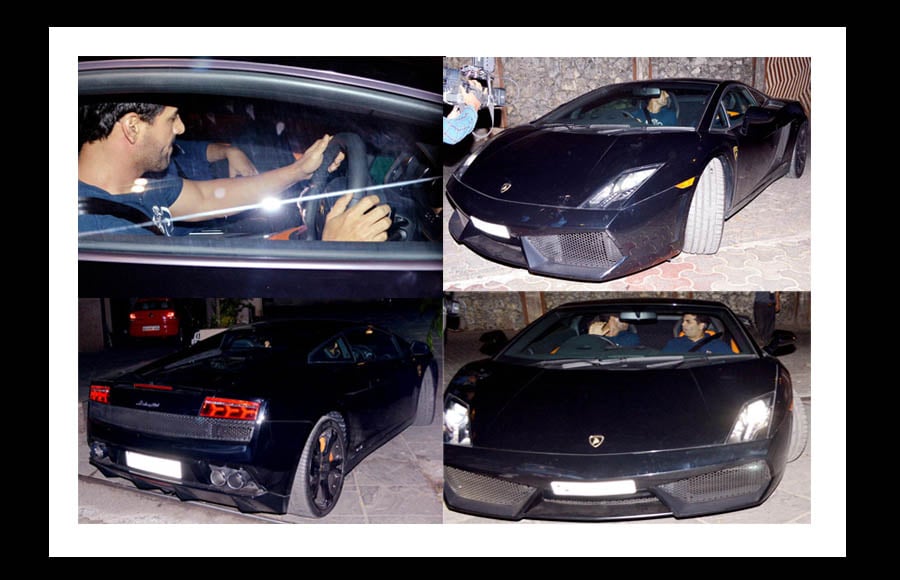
[{"x": 154, "y": 317}]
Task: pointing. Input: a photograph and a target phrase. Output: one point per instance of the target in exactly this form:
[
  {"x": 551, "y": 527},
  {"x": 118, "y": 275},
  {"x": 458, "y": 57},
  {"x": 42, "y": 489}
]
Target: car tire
[
  {"x": 706, "y": 217},
  {"x": 425, "y": 407},
  {"x": 800, "y": 155},
  {"x": 799, "y": 430},
  {"x": 319, "y": 477}
]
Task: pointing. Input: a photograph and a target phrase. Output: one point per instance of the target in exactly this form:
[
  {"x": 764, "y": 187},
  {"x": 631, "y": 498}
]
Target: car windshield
[
  {"x": 237, "y": 119},
  {"x": 657, "y": 104},
  {"x": 630, "y": 337}
]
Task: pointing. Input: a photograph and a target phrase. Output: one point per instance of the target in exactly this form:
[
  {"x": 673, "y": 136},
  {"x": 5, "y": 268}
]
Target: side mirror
[
  {"x": 493, "y": 342},
  {"x": 756, "y": 116},
  {"x": 783, "y": 342},
  {"x": 419, "y": 348}
]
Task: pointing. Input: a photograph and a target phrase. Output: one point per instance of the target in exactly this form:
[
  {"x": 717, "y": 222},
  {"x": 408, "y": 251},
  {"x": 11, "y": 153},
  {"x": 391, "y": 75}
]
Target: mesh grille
[
  {"x": 171, "y": 425},
  {"x": 723, "y": 484},
  {"x": 590, "y": 249},
  {"x": 485, "y": 489}
]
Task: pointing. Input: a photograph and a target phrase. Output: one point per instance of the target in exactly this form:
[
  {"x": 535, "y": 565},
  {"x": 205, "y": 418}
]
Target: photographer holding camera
[{"x": 460, "y": 121}]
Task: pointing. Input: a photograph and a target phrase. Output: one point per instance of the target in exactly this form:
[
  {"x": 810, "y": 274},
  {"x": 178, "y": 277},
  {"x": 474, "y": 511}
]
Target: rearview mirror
[
  {"x": 493, "y": 342},
  {"x": 783, "y": 342},
  {"x": 419, "y": 348},
  {"x": 637, "y": 316}
]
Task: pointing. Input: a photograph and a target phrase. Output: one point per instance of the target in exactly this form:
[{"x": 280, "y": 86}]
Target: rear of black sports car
[
  {"x": 195, "y": 445},
  {"x": 203, "y": 425},
  {"x": 599, "y": 445},
  {"x": 524, "y": 199}
]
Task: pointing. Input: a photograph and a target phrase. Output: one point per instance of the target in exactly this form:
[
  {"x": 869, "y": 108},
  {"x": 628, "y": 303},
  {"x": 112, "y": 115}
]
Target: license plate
[
  {"x": 157, "y": 465},
  {"x": 154, "y": 327},
  {"x": 593, "y": 488}
]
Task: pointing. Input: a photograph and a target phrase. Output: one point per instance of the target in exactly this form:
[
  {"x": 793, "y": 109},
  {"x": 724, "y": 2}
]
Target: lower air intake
[
  {"x": 720, "y": 485},
  {"x": 480, "y": 488},
  {"x": 590, "y": 249}
]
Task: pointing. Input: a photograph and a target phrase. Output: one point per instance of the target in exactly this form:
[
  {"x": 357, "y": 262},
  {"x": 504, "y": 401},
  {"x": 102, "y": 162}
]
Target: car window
[
  {"x": 625, "y": 105},
  {"x": 369, "y": 344},
  {"x": 648, "y": 334},
  {"x": 272, "y": 115},
  {"x": 333, "y": 350},
  {"x": 732, "y": 106}
]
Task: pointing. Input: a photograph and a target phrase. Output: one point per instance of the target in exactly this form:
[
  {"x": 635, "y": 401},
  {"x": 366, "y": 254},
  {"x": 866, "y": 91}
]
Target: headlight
[
  {"x": 456, "y": 422},
  {"x": 620, "y": 188},
  {"x": 753, "y": 420}
]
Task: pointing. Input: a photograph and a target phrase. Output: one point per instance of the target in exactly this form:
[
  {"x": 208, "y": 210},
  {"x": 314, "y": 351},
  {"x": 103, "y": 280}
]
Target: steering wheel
[
  {"x": 357, "y": 172},
  {"x": 606, "y": 339}
]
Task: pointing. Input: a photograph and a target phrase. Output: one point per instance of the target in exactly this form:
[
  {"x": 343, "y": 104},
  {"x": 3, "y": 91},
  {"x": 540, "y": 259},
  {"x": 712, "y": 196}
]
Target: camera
[{"x": 456, "y": 84}]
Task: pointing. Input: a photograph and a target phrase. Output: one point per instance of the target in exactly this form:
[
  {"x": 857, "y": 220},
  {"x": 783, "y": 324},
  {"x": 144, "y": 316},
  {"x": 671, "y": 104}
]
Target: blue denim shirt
[{"x": 457, "y": 128}]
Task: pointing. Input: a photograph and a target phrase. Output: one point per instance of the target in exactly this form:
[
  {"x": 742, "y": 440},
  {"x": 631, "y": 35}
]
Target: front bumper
[
  {"x": 572, "y": 243},
  {"x": 686, "y": 483}
]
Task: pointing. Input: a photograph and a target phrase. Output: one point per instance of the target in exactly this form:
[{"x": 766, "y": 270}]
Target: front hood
[
  {"x": 563, "y": 167},
  {"x": 557, "y": 411}
]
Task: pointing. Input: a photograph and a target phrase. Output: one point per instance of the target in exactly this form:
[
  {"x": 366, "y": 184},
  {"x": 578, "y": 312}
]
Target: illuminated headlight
[
  {"x": 495, "y": 230},
  {"x": 456, "y": 423},
  {"x": 753, "y": 420},
  {"x": 620, "y": 188}
]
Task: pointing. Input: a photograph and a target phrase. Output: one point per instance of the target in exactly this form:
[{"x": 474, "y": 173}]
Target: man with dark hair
[
  {"x": 696, "y": 338},
  {"x": 118, "y": 143},
  {"x": 611, "y": 327}
]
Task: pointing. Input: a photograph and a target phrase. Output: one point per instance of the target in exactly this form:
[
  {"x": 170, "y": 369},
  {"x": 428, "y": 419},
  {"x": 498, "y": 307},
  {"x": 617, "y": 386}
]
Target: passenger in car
[
  {"x": 119, "y": 143},
  {"x": 695, "y": 338}
]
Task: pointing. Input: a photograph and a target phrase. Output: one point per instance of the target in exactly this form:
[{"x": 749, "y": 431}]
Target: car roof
[{"x": 674, "y": 303}]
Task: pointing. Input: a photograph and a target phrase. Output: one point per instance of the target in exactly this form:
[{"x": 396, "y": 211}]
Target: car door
[
  {"x": 392, "y": 378},
  {"x": 756, "y": 143}
]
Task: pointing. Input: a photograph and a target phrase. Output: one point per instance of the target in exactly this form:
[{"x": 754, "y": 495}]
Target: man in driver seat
[{"x": 118, "y": 143}]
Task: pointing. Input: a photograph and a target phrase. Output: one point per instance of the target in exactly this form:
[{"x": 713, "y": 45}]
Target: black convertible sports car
[
  {"x": 268, "y": 417},
  {"x": 625, "y": 177},
  {"x": 675, "y": 411}
]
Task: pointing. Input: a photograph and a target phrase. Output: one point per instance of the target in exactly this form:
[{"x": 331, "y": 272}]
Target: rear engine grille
[
  {"x": 719, "y": 485},
  {"x": 171, "y": 425},
  {"x": 589, "y": 249},
  {"x": 475, "y": 487}
]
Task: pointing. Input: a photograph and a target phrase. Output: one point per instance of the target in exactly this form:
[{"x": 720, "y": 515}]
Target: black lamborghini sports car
[
  {"x": 267, "y": 417},
  {"x": 625, "y": 177},
  {"x": 681, "y": 414}
]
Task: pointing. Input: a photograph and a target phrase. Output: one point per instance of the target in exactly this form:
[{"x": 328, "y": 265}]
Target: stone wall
[
  {"x": 536, "y": 85},
  {"x": 511, "y": 310}
]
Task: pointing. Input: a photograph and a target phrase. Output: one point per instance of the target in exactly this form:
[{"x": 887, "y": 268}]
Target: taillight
[
  {"x": 229, "y": 409},
  {"x": 132, "y": 316},
  {"x": 170, "y": 314},
  {"x": 100, "y": 394},
  {"x": 154, "y": 387}
]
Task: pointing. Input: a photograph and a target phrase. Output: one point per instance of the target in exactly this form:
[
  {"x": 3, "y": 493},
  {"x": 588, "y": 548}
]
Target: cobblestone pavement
[{"x": 766, "y": 245}]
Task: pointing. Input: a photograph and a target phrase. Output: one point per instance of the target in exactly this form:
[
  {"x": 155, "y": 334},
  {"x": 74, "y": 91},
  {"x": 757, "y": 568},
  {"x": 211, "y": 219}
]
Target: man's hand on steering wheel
[
  {"x": 312, "y": 157},
  {"x": 367, "y": 221}
]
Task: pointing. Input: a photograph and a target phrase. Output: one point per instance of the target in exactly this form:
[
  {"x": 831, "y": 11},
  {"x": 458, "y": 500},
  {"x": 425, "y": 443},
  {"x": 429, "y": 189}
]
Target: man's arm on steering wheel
[{"x": 224, "y": 196}]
